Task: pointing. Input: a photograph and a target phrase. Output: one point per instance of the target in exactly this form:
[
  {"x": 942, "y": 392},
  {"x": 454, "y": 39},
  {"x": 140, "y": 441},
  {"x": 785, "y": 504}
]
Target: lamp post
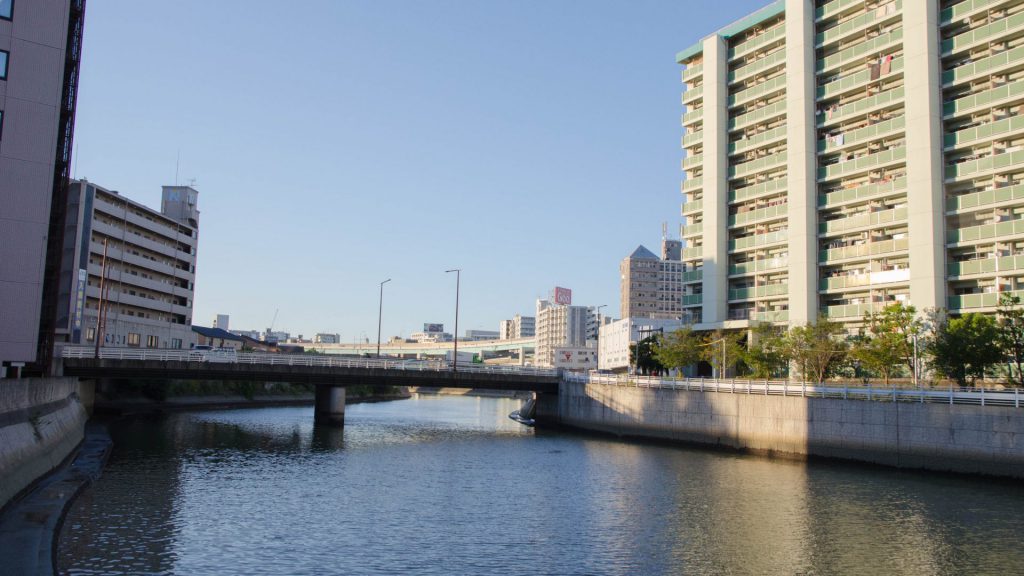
[
  {"x": 597, "y": 336},
  {"x": 455, "y": 354},
  {"x": 380, "y": 313}
]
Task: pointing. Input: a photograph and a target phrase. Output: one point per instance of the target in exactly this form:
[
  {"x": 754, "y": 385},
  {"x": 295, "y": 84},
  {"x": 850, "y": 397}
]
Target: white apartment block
[
  {"x": 149, "y": 282},
  {"x": 518, "y": 327},
  {"x": 842, "y": 155},
  {"x": 324, "y": 338},
  {"x": 559, "y": 326},
  {"x": 619, "y": 335}
]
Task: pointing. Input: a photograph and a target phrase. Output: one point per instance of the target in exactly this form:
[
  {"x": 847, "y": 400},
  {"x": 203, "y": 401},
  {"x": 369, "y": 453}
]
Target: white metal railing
[
  {"x": 976, "y": 396},
  {"x": 259, "y": 358}
]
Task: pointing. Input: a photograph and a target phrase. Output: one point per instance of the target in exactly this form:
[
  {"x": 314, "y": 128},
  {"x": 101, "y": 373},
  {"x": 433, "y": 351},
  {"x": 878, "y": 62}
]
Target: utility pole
[
  {"x": 455, "y": 354},
  {"x": 101, "y": 304},
  {"x": 380, "y": 313}
]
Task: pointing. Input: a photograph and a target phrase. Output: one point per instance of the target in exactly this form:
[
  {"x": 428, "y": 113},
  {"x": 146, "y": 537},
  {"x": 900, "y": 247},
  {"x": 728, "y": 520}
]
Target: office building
[
  {"x": 843, "y": 155},
  {"x": 148, "y": 284},
  {"x": 617, "y": 336},
  {"x": 325, "y": 338},
  {"x": 481, "y": 335},
  {"x": 40, "y": 50},
  {"x": 222, "y": 321},
  {"x": 652, "y": 287},
  {"x": 559, "y": 326},
  {"x": 518, "y": 327}
]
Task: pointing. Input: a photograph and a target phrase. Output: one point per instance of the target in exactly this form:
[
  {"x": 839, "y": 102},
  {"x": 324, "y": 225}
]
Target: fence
[{"x": 802, "y": 389}]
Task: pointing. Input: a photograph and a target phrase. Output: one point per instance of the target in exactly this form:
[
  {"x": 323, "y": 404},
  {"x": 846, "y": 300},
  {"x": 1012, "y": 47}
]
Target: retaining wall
[
  {"x": 42, "y": 420},
  {"x": 957, "y": 438}
]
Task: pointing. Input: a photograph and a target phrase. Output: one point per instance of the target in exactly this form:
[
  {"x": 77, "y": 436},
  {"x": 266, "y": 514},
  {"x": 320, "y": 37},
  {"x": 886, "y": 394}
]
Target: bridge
[
  {"x": 520, "y": 345},
  {"x": 330, "y": 374}
]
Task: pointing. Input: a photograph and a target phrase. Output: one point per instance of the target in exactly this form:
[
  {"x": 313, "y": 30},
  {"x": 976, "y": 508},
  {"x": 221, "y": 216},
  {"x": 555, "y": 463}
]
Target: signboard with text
[
  {"x": 563, "y": 296},
  {"x": 433, "y": 328}
]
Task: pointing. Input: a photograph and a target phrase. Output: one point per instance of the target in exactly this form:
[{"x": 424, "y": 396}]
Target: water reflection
[{"x": 441, "y": 485}]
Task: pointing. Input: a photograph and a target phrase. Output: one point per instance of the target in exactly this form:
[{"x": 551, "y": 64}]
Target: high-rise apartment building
[
  {"x": 560, "y": 326},
  {"x": 652, "y": 287},
  {"x": 517, "y": 327},
  {"x": 40, "y": 46},
  {"x": 842, "y": 155},
  {"x": 148, "y": 286}
]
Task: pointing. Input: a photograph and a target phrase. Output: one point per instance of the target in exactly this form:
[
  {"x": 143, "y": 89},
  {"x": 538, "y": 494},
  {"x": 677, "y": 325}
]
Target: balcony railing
[
  {"x": 984, "y": 99},
  {"x": 983, "y": 165},
  {"x": 693, "y": 94},
  {"x": 693, "y": 276},
  {"x": 859, "y": 51},
  {"x": 865, "y": 134},
  {"x": 863, "y": 220},
  {"x": 693, "y": 116},
  {"x": 754, "y": 166},
  {"x": 691, "y": 72},
  {"x": 983, "y": 67},
  {"x": 764, "y": 188},
  {"x": 834, "y": 7},
  {"x": 986, "y": 300},
  {"x": 770, "y": 316},
  {"x": 779, "y": 210},
  {"x": 693, "y": 299},
  {"x": 992, "y": 130},
  {"x": 857, "y": 80},
  {"x": 861, "y": 192},
  {"x": 766, "y": 291},
  {"x": 865, "y": 163},
  {"x": 958, "y": 11},
  {"x": 766, "y": 87},
  {"x": 748, "y": 46},
  {"x": 693, "y": 206},
  {"x": 759, "y": 115},
  {"x": 862, "y": 250},
  {"x": 985, "y": 231},
  {"x": 986, "y": 266},
  {"x": 853, "y": 310},
  {"x": 769, "y": 136},
  {"x": 776, "y": 58},
  {"x": 692, "y": 252},
  {"x": 693, "y": 138},
  {"x": 982, "y": 33},
  {"x": 985, "y": 197},
  {"x": 758, "y": 266},
  {"x": 869, "y": 279},
  {"x": 692, "y": 161},
  {"x": 692, "y": 230},
  {"x": 758, "y": 240},
  {"x": 862, "y": 106},
  {"x": 854, "y": 25}
]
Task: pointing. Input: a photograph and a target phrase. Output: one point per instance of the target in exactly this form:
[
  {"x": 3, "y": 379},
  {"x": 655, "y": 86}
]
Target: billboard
[
  {"x": 428, "y": 328},
  {"x": 563, "y": 296},
  {"x": 575, "y": 358}
]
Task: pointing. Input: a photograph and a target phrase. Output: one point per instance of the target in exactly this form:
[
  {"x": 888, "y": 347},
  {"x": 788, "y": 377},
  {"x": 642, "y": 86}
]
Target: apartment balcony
[
  {"x": 134, "y": 239},
  {"x": 754, "y": 166},
  {"x": 693, "y": 276},
  {"x": 755, "y": 292},
  {"x": 693, "y": 299},
  {"x": 982, "y": 100},
  {"x": 765, "y": 138},
  {"x": 758, "y": 240},
  {"x": 860, "y": 193},
  {"x": 767, "y": 213},
  {"x": 853, "y": 310},
  {"x": 968, "y": 8},
  {"x": 866, "y": 220},
  {"x": 775, "y": 59},
  {"x": 868, "y": 249},
  {"x": 879, "y": 101},
  {"x": 693, "y": 206},
  {"x": 863, "y": 164},
  {"x": 859, "y": 52},
  {"x": 765, "y": 88},
  {"x": 692, "y": 161},
  {"x": 861, "y": 135},
  {"x": 983, "y": 34},
  {"x": 692, "y": 253},
  {"x": 770, "y": 316},
  {"x": 746, "y": 47},
  {"x": 973, "y": 301},
  {"x": 985, "y": 198},
  {"x": 985, "y": 266},
  {"x": 878, "y": 278},
  {"x": 836, "y": 7},
  {"x": 984, "y": 67},
  {"x": 998, "y": 129},
  {"x": 985, "y": 232},
  {"x": 691, "y": 230},
  {"x": 691, "y": 72},
  {"x": 693, "y": 138},
  {"x": 984, "y": 166},
  {"x": 758, "y": 190},
  {"x": 857, "y": 80},
  {"x": 855, "y": 25},
  {"x": 692, "y": 117},
  {"x": 758, "y": 266},
  {"x": 757, "y": 116},
  {"x": 692, "y": 95}
]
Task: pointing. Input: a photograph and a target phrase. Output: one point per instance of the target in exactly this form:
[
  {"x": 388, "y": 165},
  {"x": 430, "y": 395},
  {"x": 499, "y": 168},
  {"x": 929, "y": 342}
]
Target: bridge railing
[
  {"x": 976, "y": 396},
  {"x": 264, "y": 359}
]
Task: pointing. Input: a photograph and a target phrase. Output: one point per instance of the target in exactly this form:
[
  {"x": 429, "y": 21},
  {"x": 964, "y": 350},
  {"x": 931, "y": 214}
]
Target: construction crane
[{"x": 272, "y": 322}]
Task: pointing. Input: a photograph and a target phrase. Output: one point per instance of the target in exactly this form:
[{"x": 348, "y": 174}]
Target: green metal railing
[
  {"x": 834, "y": 7},
  {"x": 995, "y": 162},
  {"x": 853, "y": 310},
  {"x": 770, "y": 61},
  {"x": 765, "y": 291},
  {"x": 748, "y": 46},
  {"x": 754, "y": 166},
  {"x": 984, "y": 132},
  {"x": 759, "y": 115},
  {"x": 693, "y": 116},
  {"x": 865, "y": 134},
  {"x": 859, "y": 51},
  {"x": 986, "y": 231},
  {"x": 693, "y": 138},
  {"x": 863, "y": 164},
  {"x": 767, "y": 87},
  {"x": 958, "y": 11},
  {"x": 757, "y": 140},
  {"x": 856, "y": 80},
  {"x": 692, "y": 252},
  {"x": 862, "y": 250},
  {"x": 983, "y": 67},
  {"x": 853, "y": 25},
  {"x": 692, "y": 230},
  {"x": 758, "y": 240},
  {"x": 693, "y": 94},
  {"x": 693, "y": 276},
  {"x": 861, "y": 220},
  {"x": 982, "y": 33},
  {"x": 693, "y": 299},
  {"x": 983, "y": 99},
  {"x": 759, "y": 266},
  {"x": 759, "y": 214},
  {"x": 764, "y": 188},
  {"x": 863, "y": 105},
  {"x": 986, "y": 300},
  {"x": 691, "y": 184},
  {"x": 861, "y": 192},
  {"x": 985, "y": 197},
  {"x": 691, "y": 72},
  {"x": 861, "y": 280},
  {"x": 986, "y": 266},
  {"x": 771, "y": 316},
  {"x": 692, "y": 161}
]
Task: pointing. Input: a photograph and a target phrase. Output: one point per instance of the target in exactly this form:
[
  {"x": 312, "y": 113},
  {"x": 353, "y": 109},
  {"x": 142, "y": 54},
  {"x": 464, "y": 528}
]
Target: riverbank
[
  {"x": 971, "y": 439},
  {"x": 125, "y": 406}
]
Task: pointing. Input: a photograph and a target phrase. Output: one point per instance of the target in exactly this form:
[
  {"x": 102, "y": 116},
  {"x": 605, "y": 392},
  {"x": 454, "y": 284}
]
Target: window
[
  {"x": 90, "y": 334},
  {"x": 152, "y": 342},
  {"x": 176, "y": 343},
  {"x": 134, "y": 339},
  {"x": 4, "y": 57},
  {"x": 6, "y": 9}
]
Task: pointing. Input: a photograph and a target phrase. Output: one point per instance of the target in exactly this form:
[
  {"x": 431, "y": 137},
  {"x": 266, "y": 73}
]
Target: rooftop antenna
[
  {"x": 664, "y": 230},
  {"x": 177, "y": 165},
  {"x": 191, "y": 182}
]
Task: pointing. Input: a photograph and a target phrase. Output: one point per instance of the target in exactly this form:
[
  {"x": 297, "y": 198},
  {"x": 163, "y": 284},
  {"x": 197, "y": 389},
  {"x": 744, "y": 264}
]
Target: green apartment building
[{"x": 842, "y": 155}]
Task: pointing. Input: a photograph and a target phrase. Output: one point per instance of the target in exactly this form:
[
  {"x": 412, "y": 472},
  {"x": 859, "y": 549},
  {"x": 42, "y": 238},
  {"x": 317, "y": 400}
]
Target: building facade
[
  {"x": 222, "y": 321},
  {"x": 617, "y": 336},
  {"x": 518, "y": 327},
  {"x": 652, "y": 287},
  {"x": 560, "y": 326},
  {"x": 40, "y": 48},
  {"x": 843, "y": 155},
  {"x": 325, "y": 338},
  {"x": 148, "y": 285}
]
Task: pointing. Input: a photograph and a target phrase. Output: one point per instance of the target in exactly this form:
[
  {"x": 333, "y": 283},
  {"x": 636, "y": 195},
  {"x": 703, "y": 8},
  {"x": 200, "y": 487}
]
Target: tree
[
  {"x": 816, "y": 348},
  {"x": 723, "y": 347},
  {"x": 964, "y": 347},
  {"x": 766, "y": 354},
  {"x": 1011, "y": 335},
  {"x": 679, "y": 349},
  {"x": 641, "y": 356},
  {"x": 888, "y": 341}
]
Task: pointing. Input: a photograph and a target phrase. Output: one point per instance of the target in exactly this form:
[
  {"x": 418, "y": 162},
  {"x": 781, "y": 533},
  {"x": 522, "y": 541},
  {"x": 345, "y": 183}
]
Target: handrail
[
  {"x": 974, "y": 396},
  {"x": 259, "y": 358}
]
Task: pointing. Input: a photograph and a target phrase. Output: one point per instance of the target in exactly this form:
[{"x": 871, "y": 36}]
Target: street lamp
[
  {"x": 597, "y": 336},
  {"x": 380, "y": 313},
  {"x": 455, "y": 354}
]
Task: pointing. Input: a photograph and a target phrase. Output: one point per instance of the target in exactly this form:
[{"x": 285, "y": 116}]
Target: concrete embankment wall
[
  {"x": 957, "y": 438},
  {"x": 42, "y": 420}
]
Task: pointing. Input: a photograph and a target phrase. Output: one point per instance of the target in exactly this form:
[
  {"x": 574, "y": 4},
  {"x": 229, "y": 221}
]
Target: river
[{"x": 450, "y": 485}]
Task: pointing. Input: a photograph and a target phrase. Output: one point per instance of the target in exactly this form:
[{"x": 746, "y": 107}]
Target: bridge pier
[{"x": 330, "y": 406}]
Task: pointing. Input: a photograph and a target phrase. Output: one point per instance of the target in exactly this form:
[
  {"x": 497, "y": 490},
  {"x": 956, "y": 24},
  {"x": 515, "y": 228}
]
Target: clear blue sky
[{"x": 339, "y": 143}]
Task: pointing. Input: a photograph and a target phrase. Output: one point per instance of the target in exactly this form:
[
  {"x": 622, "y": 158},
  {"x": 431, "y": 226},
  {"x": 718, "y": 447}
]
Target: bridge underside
[{"x": 316, "y": 375}]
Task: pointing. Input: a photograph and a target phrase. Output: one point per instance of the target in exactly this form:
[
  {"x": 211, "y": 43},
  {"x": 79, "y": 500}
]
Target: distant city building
[
  {"x": 148, "y": 285},
  {"x": 517, "y": 327},
  {"x": 431, "y": 333},
  {"x": 40, "y": 51},
  {"x": 559, "y": 326},
  {"x": 221, "y": 321},
  {"x": 323, "y": 338},
  {"x": 481, "y": 335},
  {"x": 298, "y": 340},
  {"x": 652, "y": 287},
  {"x": 217, "y": 337},
  {"x": 274, "y": 336},
  {"x": 249, "y": 334},
  {"x": 617, "y": 336}
]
